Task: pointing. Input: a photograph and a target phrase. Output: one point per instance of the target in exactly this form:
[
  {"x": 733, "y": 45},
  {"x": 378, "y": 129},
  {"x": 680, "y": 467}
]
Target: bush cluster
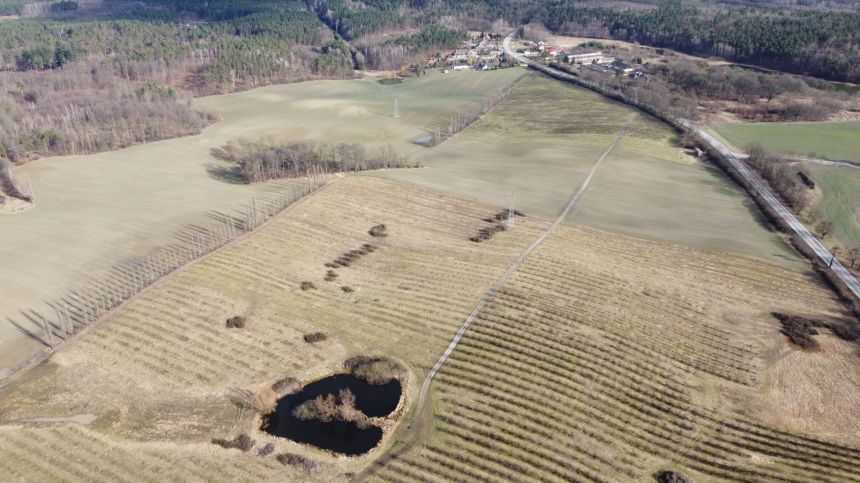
[
  {"x": 299, "y": 461},
  {"x": 346, "y": 258},
  {"x": 307, "y": 286},
  {"x": 801, "y": 329},
  {"x": 378, "y": 231},
  {"x": 287, "y": 385},
  {"x": 242, "y": 442},
  {"x": 237, "y": 322},
  {"x": 374, "y": 370},
  {"x": 315, "y": 337},
  {"x": 669, "y": 476},
  {"x": 266, "y": 450}
]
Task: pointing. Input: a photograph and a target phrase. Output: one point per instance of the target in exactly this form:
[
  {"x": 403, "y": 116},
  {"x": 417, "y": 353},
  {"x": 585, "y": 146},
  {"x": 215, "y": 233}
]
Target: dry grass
[
  {"x": 604, "y": 357},
  {"x": 159, "y": 372}
]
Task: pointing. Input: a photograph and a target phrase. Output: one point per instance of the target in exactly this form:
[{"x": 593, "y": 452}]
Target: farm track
[{"x": 415, "y": 429}]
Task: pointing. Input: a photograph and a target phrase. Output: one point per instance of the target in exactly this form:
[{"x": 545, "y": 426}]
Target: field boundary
[
  {"x": 23, "y": 368},
  {"x": 843, "y": 282},
  {"x": 418, "y": 426}
]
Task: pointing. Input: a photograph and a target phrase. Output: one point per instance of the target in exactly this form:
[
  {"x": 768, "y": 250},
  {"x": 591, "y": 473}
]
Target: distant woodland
[{"x": 88, "y": 75}]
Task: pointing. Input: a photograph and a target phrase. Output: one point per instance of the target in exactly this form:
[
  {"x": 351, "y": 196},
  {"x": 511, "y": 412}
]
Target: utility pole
[
  {"x": 396, "y": 109},
  {"x": 511, "y": 211}
]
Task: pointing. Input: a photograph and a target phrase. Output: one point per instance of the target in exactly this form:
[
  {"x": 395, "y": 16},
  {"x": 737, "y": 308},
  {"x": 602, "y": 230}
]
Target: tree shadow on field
[
  {"x": 28, "y": 332},
  {"x": 227, "y": 174}
]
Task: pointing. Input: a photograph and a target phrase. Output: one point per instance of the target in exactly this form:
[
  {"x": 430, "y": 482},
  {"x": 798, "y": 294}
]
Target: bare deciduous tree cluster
[
  {"x": 781, "y": 176},
  {"x": 262, "y": 160},
  {"x": 88, "y": 108}
]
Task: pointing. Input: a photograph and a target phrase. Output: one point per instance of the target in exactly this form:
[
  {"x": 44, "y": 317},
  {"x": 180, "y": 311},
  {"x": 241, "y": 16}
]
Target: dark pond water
[{"x": 339, "y": 436}]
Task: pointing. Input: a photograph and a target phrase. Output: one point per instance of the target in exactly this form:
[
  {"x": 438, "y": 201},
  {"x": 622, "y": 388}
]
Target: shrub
[
  {"x": 347, "y": 289},
  {"x": 378, "y": 231},
  {"x": 287, "y": 385},
  {"x": 845, "y": 330},
  {"x": 308, "y": 286},
  {"x": 266, "y": 450},
  {"x": 242, "y": 442},
  {"x": 237, "y": 322},
  {"x": 374, "y": 370},
  {"x": 487, "y": 233},
  {"x": 369, "y": 248},
  {"x": 299, "y": 461},
  {"x": 799, "y": 330},
  {"x": 669, "y": 476},
  {"x": 330, "y": 275},
  {"x": 331, "y": 265},
  {"x": 263, "y": 402},
  {"x": 331, "y": 407},
  {"x": 315, "y": 337}
]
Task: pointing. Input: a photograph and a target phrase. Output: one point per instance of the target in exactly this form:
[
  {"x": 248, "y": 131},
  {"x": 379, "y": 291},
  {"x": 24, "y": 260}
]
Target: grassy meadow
[
  {"x": 840, "y": 201},
  {"x": 837, "y": 141},
  {"x": 93, "y": 211},
  {"x": 543, "y": 140}
]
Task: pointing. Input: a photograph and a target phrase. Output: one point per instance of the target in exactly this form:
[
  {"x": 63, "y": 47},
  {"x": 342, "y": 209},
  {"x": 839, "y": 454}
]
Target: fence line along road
[{"x": 757, "y": 186}]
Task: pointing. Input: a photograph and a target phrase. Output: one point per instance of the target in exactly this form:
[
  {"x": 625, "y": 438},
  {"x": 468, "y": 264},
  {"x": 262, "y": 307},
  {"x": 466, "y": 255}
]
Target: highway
[{"x": 758, "y": 187}]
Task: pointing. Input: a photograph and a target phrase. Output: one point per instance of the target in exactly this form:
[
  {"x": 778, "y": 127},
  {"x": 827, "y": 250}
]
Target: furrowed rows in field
[
  {"x": 70, "y": 453},
  {"x": 410, "y": 289},
  {"x": 573, "y": 373}
]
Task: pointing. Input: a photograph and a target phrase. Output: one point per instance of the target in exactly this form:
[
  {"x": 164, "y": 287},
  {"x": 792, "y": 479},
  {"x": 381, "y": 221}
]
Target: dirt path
[{"x": 415, "y": 431}]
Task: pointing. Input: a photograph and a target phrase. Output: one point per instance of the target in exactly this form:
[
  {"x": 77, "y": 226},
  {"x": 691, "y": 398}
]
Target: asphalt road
[{"x": 737, "y": 163}]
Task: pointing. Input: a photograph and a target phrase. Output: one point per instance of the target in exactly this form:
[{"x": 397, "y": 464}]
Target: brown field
[{"x": 604, "y": 358}]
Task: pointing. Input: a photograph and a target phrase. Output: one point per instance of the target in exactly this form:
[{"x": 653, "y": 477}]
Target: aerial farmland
[{"x": 477, "y": 267}]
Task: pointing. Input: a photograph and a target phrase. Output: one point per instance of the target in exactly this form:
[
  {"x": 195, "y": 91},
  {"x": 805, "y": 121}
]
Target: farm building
[
  {"x": 461, "y": 66},
  {"x": 584, "y": 57},
  {"x": 622, "y": 67}
]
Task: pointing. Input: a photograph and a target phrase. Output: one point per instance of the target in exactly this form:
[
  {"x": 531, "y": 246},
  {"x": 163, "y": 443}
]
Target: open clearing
[
  {"x": 837, "y": 141},
  {"x": 840, "y": 201},
  {"x": 540, "y": 143},
  {"x": 94, "y": 211},
  {"x": 604, "y": 358}
]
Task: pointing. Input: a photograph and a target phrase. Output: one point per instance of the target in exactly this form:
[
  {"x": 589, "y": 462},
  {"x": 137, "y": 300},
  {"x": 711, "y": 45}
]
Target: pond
[{"x": 338, "y": 436}]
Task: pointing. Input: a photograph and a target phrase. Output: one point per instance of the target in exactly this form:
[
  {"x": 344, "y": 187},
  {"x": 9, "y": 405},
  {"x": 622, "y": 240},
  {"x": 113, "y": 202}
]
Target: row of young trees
[
  {"x": 263, "y": 160},
  {"x": 459, "y": 121},
  {"x": 782, "y": 176}
]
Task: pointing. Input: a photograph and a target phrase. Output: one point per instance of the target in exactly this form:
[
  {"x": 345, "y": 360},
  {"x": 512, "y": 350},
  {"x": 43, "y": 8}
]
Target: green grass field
[
  {"x": 838, "y": 141},
  {"x": 840, "y": 201},
  {"x": 544, "y": 139}
]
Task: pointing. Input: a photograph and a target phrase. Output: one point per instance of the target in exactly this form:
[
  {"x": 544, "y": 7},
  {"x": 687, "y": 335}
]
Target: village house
[{"x": 461, "y": 66}]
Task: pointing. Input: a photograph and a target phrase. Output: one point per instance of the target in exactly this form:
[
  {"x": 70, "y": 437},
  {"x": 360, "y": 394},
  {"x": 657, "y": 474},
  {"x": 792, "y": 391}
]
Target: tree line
[{"x": 263, "y": 160}]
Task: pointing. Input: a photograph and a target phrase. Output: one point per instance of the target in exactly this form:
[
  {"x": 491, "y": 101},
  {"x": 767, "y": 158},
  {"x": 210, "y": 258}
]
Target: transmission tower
[{"x": 396, "y": 109}]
